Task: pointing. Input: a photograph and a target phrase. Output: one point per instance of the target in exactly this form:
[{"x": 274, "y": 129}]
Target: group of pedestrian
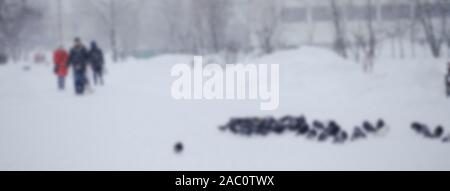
[{"x": 81, "y": 60}]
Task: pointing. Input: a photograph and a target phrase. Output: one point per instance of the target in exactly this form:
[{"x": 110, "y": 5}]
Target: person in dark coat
[
  {"x": 97, "y": 62},
  {"x": 447, "y": 80},
  {"x": 79, "y": 59}
]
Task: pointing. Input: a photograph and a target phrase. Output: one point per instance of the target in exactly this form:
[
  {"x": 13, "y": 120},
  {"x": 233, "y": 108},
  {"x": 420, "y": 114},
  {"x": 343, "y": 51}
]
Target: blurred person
[
  {"x": 447, "y": 80},
  {"x": 78, "y": 59},
  {"x": 39, "y": 58},
  {"x": 97, "y": 63},
  {"x": 60, "y": 59}
]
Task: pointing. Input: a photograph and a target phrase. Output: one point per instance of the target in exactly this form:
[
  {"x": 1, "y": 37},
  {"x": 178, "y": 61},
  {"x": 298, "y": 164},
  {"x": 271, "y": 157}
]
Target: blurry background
[
  {"x": 344, "y": 60},
  {"x": 141, "y": 28}
]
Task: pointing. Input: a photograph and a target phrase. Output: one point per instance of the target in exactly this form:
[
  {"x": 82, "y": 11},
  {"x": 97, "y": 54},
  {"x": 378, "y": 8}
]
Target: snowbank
[{"x": 133, "y": 123}]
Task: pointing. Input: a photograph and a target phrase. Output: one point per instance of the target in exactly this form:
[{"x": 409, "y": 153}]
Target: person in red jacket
[{"x": 60, "y": 59}]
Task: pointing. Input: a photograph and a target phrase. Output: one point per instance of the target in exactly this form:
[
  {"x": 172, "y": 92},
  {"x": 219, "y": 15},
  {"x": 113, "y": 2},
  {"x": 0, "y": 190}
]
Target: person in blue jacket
[{"x": 78, "y": 60}]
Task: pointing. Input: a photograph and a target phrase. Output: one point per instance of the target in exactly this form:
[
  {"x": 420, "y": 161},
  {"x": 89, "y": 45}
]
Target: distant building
[
  {"x": 308, "y": 21},
  {"x": 320, "y": 10}
]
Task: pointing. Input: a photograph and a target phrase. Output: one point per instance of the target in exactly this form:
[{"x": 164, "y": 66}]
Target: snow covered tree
[
  {"x": 196, "y": 26},
  {"x": 445, "y": 6},
  {"x": 174, "y": 21},
  {"x": 16, "y": 18},
  {"x": 217, "y": 15},
  {"x": 365, "y": 39},
  {"x": 115, "y": 15},
  {"x": 371, "y": 39},
  {"x": 433, "y": 16},
  {"x": 398, "y": 22},
  {"x": 340, "y": 42},
  {"x": 210, "y": 19},
  {"x": 267, "y": 23}
]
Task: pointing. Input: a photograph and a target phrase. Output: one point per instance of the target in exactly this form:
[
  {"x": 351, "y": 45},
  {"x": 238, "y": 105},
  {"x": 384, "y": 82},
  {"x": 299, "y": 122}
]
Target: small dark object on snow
[
  {"x": 358, "y": 134},
  {"x": 333, "y": 129},
  {"x": 303, "y": 130},
  {"x": 278, "y": 128},
  {"x": 438, "y": 132},
  {"x": 368, "y": 127},
  {"x": 446, "y": 139},
  {"x": 223, "y": 128},
  {"x": 302, "y": 120},
  {"x": 380, "y": 124},
  {"x": 422, "y": 129},
  {"x": 318, "y": 125},
  {"x": 341, "y": 137},
  {"x": 241, "y": 126},
  {"x": 233, "y": 129},
  {"x": 417, "y": 127},
  {"x": 245, "y": 127},
  {"x": 26, "y": 68},
  {"x": 269, "y": 123},
  {"x": 246, "y": 130},
  {"x": 323, "y": 137},
  {"x": 262, "y": 127},
  {"x": 179, "y": 147},
  {"x": 289, "y": 122},
  {"x": 427, "y": 132},
  {"x": 302, "y": 126},
  {"x": 311, "y": 134}
]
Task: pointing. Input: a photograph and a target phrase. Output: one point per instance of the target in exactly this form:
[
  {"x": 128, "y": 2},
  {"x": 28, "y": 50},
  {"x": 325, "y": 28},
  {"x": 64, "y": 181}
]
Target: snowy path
[{"x": 133, "y": 123}]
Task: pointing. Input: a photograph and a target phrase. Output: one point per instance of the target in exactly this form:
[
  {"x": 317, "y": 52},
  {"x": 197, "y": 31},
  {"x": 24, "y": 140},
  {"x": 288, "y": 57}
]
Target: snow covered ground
[{"x": 133, "y": 123}]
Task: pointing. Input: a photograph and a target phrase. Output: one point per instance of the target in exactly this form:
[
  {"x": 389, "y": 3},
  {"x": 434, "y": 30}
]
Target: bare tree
[
  {"x": 445, "y": 6},
  {"x": 312, "y": 25},
  {"x": 60, "y": 22},
  {"x": 413, "y": 32},
  {"x": 114, "y": 15},
  {"x": 432, "y": 15},
  {"x": 210, "y": 21},
  {"x": 16, "y": 18},
  {"x": 448, "y": 45},
  {"x": 267, "y": 23},
  {"x": 444, "y": 14},
  {"x": 217, "y": 12},
  {"x": 395, "y": 31},
  {"x": 370, "y": 51},
  {"x": 175, "y": 18},
  {"x": 196, "y": 26},
  {"x": 340, "y": 44},
  {"x": 365, "y": 36}
]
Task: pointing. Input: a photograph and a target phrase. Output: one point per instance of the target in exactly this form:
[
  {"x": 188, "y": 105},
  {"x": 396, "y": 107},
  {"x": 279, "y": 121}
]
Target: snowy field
[{"x": 133, "y": 123}]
